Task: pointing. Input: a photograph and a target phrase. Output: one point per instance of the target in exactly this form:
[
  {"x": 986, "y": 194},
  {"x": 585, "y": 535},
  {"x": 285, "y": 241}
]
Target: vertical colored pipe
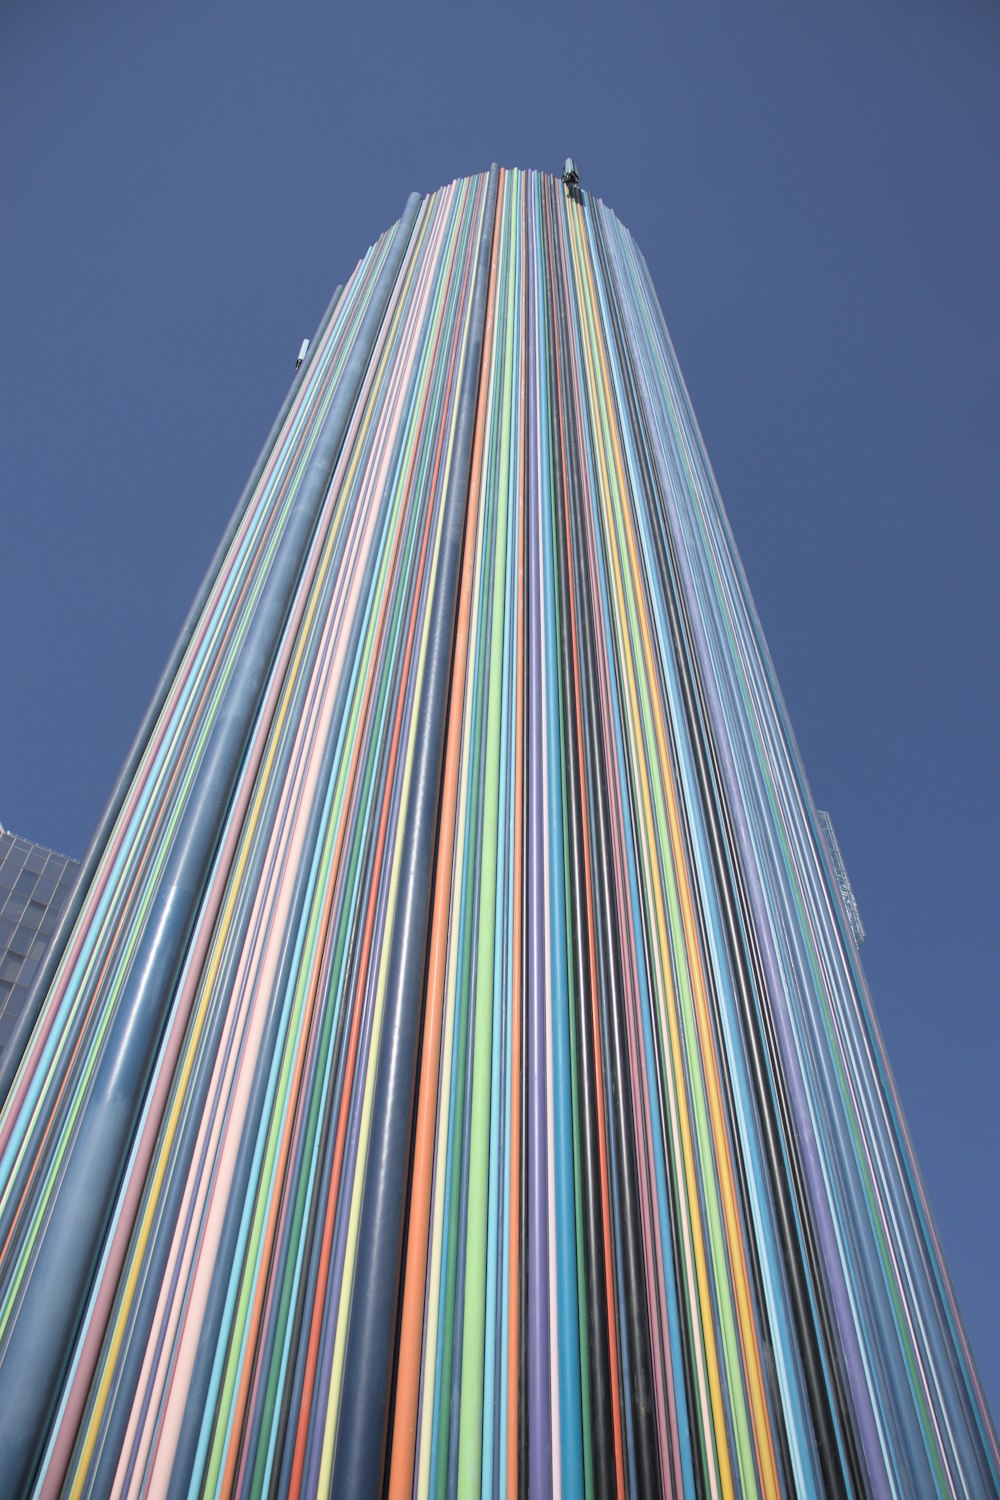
[
  {"x": 51, "y": 1302},
  {"x": 461, "y": 908},
  {"x": 14, "y": 1050},
  {"x": 362, "y": 1432},
  {"x": 539, "y": 1434}
]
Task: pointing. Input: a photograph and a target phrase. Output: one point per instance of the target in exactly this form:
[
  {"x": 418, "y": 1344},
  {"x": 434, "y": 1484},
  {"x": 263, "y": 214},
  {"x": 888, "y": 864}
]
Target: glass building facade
[{"x": 35, "y": 884}]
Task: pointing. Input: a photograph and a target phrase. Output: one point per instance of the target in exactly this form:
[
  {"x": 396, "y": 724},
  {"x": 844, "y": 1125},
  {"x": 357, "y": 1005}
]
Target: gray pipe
[
  {"x": 21, "y": 1034},
  {"x": 36, "y": 1355},
  {"x": 368, "y": 1361}
]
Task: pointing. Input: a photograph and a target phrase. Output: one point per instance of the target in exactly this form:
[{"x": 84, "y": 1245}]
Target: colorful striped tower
[{"x": 457, "y": 1076}]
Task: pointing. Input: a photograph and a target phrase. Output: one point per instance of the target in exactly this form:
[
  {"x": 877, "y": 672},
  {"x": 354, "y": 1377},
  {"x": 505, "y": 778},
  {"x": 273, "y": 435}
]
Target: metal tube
[
  {"x": 41, "y": 1340},
  {"x": 21, "y": 1034},
  {"x": 361, "y": 1439}
]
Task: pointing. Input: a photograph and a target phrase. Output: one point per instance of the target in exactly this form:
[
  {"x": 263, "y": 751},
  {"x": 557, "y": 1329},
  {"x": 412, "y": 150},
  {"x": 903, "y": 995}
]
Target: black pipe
[{"x": 600, "y": 1432}]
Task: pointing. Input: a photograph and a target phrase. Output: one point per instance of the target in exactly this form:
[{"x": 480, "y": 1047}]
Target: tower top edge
[{"x": 564, "y": 176}]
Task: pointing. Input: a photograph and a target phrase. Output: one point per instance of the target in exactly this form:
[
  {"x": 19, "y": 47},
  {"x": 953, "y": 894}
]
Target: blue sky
[{"x": 815, "y": 191}]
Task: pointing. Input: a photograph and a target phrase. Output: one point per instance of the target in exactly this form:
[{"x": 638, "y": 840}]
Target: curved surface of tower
[{"x": 456, "y": 1074}]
